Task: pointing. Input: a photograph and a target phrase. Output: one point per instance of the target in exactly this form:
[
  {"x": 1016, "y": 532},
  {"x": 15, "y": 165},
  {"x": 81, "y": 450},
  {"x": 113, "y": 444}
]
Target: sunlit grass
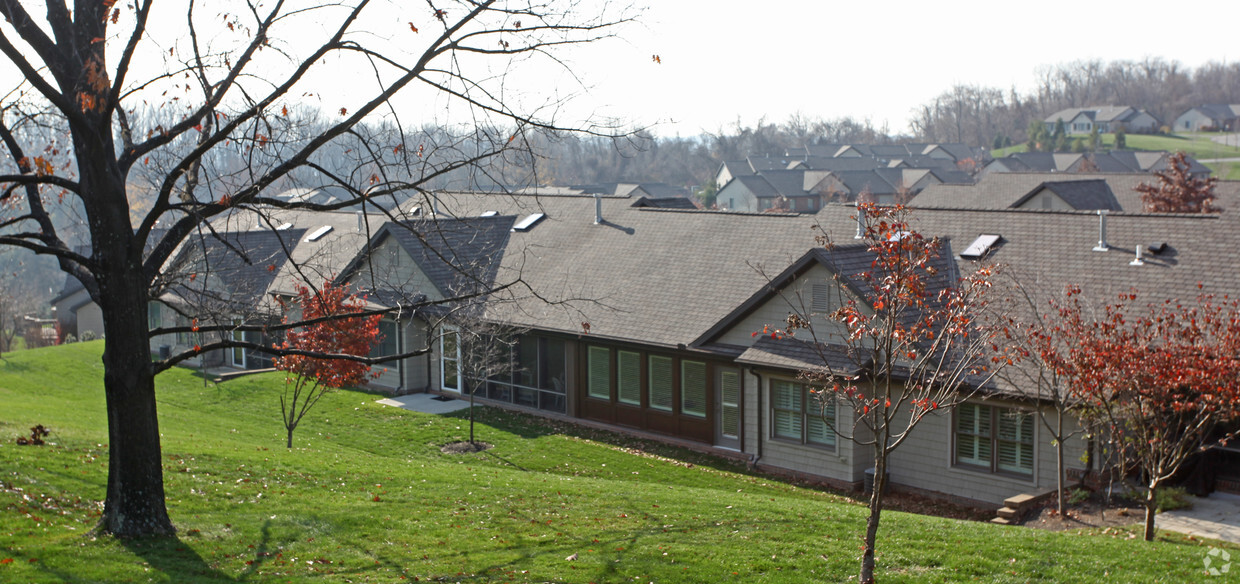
[{"x": 367, "y": 496}]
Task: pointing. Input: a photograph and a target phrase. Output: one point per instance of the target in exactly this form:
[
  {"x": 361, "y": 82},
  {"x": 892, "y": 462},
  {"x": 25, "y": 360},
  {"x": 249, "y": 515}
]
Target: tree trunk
[
  {"x": 1059, "y": 470},
  {"x": 135, "y": 498},
  {"x": 871, "y": 524},
  {"x": 1151, "y": 507},
  {"x": 290, "y": 437}
]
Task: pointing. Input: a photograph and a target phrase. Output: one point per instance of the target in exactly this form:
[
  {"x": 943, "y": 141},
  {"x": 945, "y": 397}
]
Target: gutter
[{"x": 753, "y": 461}]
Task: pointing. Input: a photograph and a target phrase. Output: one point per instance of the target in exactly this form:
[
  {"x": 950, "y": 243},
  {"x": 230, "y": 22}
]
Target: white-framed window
[
  {"x": 994, "y": 439},
  {"x": 386, "y": 344},
  {"x": 800, "y": 415},
  {"x": 450, "y": 359}
]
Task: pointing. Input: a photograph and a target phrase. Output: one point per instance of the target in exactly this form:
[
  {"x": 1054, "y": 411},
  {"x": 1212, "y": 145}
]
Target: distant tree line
[{"x": 987, "y": 116}]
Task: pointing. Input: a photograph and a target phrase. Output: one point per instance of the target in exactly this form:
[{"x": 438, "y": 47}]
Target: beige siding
[
  {"x": 796, "y": 297},
  {"x": 393, "y": 268},
  {"x": 90, "y": 318},
  {"x": 845, "y": 462},
  {"x": 925, "y": 461}
]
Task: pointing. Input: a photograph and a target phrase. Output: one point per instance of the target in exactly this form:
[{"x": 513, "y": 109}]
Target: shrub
[
  {"x": 88, "y": 336},
  {"x": 1172, "y": 498},
  {"x": 69, "y": 338},
  {"x": 1078, "y": 496}
]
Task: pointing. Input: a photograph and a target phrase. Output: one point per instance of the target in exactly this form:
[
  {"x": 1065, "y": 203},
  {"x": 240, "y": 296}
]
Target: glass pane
[
  {"x": 661, "y": 383},
  {"x": 550, "y": 401},
  {"x": 820, "y": 411},
  {"x": 729, "y": 408},
  {"x": 599, "y": 372},
  {"x": 629, "y": 377},
  {"x": 553, "y": 366},
  {"x": 787, "y": 425},
  {"x": 693, "y": 388},
  {"x": 525, "y": 397},
  {"x": 527, "y": 362}
]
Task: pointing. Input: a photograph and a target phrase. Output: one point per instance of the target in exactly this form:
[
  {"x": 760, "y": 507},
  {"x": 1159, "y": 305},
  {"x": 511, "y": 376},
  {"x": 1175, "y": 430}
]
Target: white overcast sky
[{"x": 724, "y": 60}]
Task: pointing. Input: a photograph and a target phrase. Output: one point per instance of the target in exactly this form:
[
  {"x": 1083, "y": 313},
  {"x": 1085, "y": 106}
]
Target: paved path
[
  {"x": 1214, "y": 517},
  {"x": 425, "y": 403}
]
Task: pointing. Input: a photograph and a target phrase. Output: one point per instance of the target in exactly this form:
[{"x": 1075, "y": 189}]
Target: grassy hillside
[
  {"x": 1199, "y": 145},
  {"x": 367, "y": 496}
]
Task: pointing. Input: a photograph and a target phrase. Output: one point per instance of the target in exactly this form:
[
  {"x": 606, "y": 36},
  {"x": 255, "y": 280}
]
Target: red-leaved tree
[
  {"x": 1177, "y": 190},
  {"x": 329, "y": 331},
  {"x": 917, "y": 335},
  {"x": 1161, "y": 380}
]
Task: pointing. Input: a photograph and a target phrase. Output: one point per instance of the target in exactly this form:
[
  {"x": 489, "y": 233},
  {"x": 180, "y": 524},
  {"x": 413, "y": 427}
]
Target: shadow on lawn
[
  {"x": 530, "y": 427},
  {"x": 172, "y": 557}
]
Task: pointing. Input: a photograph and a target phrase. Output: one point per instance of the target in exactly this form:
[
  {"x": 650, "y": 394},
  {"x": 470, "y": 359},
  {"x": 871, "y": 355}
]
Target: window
[
  {"x": 994, "y": 439},
  {"x": 450, "y": 360},
  {"x": 386, "y": 344},
  {"x": 154, "y": 316},
  {"x": 661, "y": 382},
  {"x": 730, "y": 406},
  {"x": 693, "y": 388},
  {"x": 799, "y": 415},
  {"x": 629, "y": 377},
  {"x": 184, "y": 338},
  {"x": 599, "y": 372}
]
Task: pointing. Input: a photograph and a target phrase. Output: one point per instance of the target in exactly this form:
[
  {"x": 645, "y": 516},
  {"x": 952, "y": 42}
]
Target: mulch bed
[{"x": 465, "y": 447}]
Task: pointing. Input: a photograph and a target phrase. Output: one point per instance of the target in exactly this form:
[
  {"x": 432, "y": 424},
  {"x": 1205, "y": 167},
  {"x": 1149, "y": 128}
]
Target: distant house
[
  {"x": 1040, "y": 191},
  {"x": 1120, "y": 161},
  {"x": 1083, "y": 120},
  {"x": 1215, "y": 116}
]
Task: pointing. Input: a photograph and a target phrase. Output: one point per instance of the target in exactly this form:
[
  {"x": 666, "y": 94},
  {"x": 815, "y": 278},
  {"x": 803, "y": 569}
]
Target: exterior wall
[
  {"x": 795, "y": 297},
  {"x": 735, "y": 196},
  {"x": 846, "y": 462},
  {"x": 1142, "y": 122},
  {"x": 1046, "y": 200},
  {"x": 1191, "y": 121},
  {"x": 90, "y": 318},
  {"x": 390, "y": 262},
  {"x": 925, "y": 461},
  {"x": 417, "y": 369},
  {"x": 1081, "y": 124}
]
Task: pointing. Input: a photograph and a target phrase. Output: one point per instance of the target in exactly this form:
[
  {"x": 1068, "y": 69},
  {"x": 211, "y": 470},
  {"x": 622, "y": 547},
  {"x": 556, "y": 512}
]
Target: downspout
[{"x": 753, "y": 461}]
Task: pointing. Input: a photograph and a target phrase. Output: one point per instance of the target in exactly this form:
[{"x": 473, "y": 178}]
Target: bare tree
[{"x": 230, "y": 78}]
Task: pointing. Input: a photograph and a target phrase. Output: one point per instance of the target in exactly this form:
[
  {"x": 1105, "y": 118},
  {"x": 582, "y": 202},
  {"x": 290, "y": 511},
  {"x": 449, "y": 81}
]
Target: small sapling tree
[
  {"x": 317, "y": 356},
  {"x": 1177, "y": 190},
  {"x": 917, "y": 336}
]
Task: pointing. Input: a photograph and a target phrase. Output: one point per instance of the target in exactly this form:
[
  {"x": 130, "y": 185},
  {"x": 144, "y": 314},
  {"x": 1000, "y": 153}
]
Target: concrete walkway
[
  {"x": 1214, "y": 517},
  {"x": 425, "y": 403}
]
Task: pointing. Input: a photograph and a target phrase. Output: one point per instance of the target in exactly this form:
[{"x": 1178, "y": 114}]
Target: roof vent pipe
[
  {"x": 1137, "y": 261},
  {"x": 361, "y": 221},
  {"x": 598, "y": 209},
  {"x": 860, "y": 223},
  {"x": 1102, "y": 231}
]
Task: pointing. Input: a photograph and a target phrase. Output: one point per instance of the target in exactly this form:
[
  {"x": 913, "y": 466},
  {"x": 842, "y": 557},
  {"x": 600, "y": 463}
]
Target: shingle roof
[
  {"x": 665, "y": 203},
  {"x": 230, "y": 271},
  {"x": 792, "y": 353},
  {"x": 459, "y": 256},
  {"x": 1004, "y": 190},
  {"x": 1082, "y": 195}
]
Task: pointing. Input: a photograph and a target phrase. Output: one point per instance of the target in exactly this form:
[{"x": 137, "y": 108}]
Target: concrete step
[
  {"x": 1020, "y": 502},
  {"x": 1001, "y": 521},
  {"x": 1010, "y": 513}
]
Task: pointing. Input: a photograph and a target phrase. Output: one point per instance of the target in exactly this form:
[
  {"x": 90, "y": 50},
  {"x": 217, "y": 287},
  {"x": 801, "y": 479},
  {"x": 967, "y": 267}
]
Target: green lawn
[
  {"x": 368, "y": 497},
  {"x": 1198, "y": 145}
]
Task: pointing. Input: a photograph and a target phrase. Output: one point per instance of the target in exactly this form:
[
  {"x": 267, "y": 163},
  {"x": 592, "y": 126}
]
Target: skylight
[
  {"x": 318, "y": 233},
  {"x": 284, "y": 226},
  {"x": 529, "y": 222},
  {"x": 980, "y": 246},
  {"x": 489, "y": 213}
]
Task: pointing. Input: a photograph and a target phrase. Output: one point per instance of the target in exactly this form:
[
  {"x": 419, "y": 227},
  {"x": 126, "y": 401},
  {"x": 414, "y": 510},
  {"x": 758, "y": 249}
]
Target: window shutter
[
  {"x": 786, "y": 401},
  {"x": 973, "y": 434},
  {"x": 693, "y": 388},
  {"x": 730, "y": 404},
  {"x": 1016, "y": 442},
  {"x": 818, "y": 429},
  {"x": 599, "y": 372},
  {"x": 629, "y": 377},
  {"x": 661, "y": 383}
]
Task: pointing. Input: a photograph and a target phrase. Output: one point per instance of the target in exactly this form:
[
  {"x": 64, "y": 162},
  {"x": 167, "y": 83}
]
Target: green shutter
[
  {"x": 629, "y": 377},
  {"x": 661, "y": 383},
  {"x": 693, "y": 388},
  {"x": 730, "y": 404},
  {"x": 599, "y": 372}
]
